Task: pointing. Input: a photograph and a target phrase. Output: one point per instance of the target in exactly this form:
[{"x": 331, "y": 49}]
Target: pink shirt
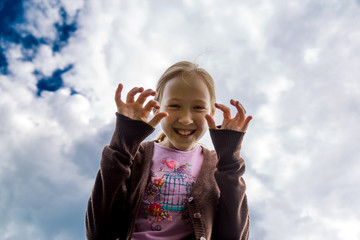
[{"x": 163, "y": 212}]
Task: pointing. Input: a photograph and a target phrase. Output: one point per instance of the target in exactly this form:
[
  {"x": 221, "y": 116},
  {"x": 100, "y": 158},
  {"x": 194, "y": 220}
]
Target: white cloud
[
  {"x": 293, "y": 65},
  {"x": 311, "y": 55}
]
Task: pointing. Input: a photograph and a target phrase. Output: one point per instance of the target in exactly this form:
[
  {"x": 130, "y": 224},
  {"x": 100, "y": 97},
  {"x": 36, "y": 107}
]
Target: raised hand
[
  {"x": 239, "y": 123},
  {"x": 134, "y": 109}
]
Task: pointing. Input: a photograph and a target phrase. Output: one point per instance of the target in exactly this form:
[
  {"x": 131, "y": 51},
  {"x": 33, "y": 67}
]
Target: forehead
[{"x": 190, "y": 88}]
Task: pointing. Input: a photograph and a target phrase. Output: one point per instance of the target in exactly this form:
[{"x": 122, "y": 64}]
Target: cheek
[
  {"x": 167, "y": 121},
  {"x": 201, "y": 119}
]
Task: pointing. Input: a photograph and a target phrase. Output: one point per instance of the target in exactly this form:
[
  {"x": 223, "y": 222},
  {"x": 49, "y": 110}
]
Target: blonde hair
[{"x": 188, "y": 72}]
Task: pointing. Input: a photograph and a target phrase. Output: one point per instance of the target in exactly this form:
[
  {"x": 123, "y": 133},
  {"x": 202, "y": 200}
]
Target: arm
[
  {"x": 107, "y": 206},
  {"x": 232, "y": 219},
  {"x": 107, "y": 213}
]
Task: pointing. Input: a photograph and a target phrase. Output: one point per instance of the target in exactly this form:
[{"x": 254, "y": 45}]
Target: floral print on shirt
[{"x": 167, "y": 192}]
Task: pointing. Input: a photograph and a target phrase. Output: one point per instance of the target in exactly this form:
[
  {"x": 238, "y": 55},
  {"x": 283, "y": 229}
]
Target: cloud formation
[{"x": 294, "y": 66}]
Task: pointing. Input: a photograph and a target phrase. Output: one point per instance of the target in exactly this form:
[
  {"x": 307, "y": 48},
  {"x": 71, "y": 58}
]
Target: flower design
[
  {"x": 152, "y": 188},
  {"x": 186, "y": 202},
  {"x": 159, "y": 182},
  {"x": 155, "y": 209},
  {"x": 158, "y": 204},
  {"x": 183, "y": 169}
]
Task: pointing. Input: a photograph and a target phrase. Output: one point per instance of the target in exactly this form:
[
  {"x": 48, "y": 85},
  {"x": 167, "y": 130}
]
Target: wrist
[
  {"x": 129, "y": 131},
  {"x": 227, "y": 144}
]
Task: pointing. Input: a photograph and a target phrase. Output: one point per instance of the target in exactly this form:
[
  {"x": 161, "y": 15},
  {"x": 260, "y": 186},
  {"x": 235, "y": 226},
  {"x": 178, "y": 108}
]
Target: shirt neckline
[{"x": 196, "y": 148}]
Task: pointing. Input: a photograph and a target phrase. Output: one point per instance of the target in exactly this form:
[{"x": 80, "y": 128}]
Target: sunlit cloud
[{"x": 293, "y": 65}]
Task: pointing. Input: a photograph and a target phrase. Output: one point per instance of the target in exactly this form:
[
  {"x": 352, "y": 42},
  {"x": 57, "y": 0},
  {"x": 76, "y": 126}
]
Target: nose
[{"x": 185, "y": 118}]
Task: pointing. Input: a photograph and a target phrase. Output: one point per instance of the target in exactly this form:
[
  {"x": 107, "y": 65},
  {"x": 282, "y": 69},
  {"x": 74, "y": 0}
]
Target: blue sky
[{"x": 294, "y": 65}]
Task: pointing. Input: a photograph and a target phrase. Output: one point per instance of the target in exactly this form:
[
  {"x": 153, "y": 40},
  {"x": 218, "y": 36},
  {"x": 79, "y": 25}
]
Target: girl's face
[{"x": 187, "y": 103}]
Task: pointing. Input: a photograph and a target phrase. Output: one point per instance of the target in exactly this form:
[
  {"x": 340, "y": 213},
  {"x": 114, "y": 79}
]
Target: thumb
[
  {"x": 157, "y": 119},
  {"x": 210, "y": 121}
]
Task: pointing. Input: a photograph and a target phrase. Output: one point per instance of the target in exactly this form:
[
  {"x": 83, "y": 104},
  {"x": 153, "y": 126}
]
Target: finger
[
  {"x": 152, "y": 104},
  {"x": 237, "y": 103},
  {"x": 246, "y": 124},
  {"x": 241, "y": 110},
  {"x": 224, "y": 109},
  {"x": 131, "y": 94},
  {"x": 157, "y": 119},
  {"x": 118, "y": 95},
  {"x": 210, "y": 121},
  {"x": 144, "y": 95}
]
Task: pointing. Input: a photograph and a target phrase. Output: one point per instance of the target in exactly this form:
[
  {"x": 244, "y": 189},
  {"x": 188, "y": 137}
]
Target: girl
[{"x": 172, "y": 188}]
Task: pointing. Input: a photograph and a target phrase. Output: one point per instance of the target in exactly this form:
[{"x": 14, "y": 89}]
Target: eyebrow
[{"x": 177, "y": 99}]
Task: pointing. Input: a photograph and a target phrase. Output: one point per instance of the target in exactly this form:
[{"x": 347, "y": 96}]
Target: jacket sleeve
[
  {"x": 232, "y": 219},
  {"x": 107, "y": 206}
]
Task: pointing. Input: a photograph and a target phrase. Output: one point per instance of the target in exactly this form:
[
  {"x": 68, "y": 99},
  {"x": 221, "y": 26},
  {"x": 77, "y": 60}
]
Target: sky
[{"x": 294, "y": 65}]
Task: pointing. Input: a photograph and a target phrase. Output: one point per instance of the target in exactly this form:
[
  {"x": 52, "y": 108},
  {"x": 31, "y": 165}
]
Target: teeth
[{"x": 184, "y": 132}]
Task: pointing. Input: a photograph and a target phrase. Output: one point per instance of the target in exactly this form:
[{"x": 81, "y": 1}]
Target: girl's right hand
[{"x": 135, "y": 109}]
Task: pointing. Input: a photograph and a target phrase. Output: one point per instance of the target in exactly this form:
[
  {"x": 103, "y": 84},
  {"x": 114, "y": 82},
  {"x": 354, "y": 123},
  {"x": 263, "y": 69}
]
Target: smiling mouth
[{"x": 184, "y": 132}]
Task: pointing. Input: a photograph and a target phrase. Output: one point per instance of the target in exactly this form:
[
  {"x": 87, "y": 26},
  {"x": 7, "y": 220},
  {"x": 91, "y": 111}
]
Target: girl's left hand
[{"x": 239, "y": 123}]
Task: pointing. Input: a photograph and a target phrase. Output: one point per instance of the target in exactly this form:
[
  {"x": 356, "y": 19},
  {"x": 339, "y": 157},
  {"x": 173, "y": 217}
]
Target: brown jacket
[{"x": 218, "y": 206}]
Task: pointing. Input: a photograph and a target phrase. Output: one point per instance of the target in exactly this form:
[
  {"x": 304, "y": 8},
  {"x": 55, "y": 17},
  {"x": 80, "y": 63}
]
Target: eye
[
  {"x": 173, "y": 106},
  {"x": 199, "y": 107}
]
